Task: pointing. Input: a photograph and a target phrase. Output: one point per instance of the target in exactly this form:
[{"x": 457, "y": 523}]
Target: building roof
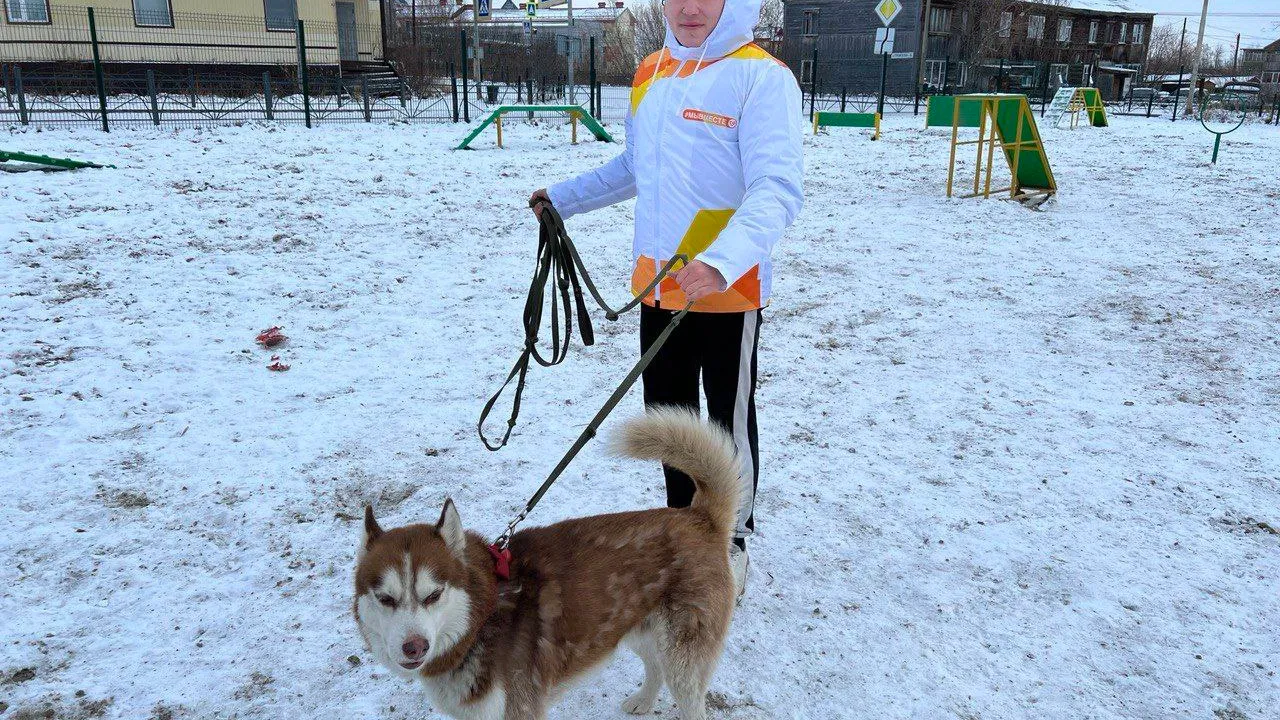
[{"x": 1106, "y": 6}]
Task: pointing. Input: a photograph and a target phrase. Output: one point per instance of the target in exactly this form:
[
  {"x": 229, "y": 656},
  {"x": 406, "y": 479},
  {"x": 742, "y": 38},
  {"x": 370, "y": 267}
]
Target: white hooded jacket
[{"x": 713, "y": 158}]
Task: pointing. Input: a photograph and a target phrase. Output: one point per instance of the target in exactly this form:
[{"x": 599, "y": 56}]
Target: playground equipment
[
  {"x": 843, "y": 119},
  {"x": 1007, "y": 121},
  {"x": 1075, "y": 100},
  {"x": 1227, "y": 111},
  {"x": 574, "y": 112},
  {"x": 44, "y": 162}
]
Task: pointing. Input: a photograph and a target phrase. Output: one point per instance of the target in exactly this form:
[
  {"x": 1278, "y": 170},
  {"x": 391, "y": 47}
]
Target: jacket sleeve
[
  {"x": 610, "y": 183},
  {"x": 770, "y": 144}
]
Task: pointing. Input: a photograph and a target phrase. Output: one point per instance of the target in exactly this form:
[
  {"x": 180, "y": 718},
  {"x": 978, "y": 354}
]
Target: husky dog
[{"x": 430, "y": 606}]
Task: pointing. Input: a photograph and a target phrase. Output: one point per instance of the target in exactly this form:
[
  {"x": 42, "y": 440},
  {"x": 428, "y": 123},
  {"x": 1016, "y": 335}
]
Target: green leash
[{"x": 559, "y": 259}]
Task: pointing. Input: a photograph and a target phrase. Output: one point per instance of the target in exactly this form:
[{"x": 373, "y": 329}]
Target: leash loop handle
[{"x": 558, "y": 262}]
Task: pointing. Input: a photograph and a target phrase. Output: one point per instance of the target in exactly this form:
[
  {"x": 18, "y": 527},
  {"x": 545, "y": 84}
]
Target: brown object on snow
[{"x": 271, "y": 337}]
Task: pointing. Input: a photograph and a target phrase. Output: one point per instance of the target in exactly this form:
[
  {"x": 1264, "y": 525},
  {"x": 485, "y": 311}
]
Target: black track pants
[{"x": 721, "y": 347}]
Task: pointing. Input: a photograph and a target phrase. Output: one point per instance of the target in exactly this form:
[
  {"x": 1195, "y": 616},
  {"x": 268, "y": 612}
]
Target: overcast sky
[{"x": 1255, "y": 31}]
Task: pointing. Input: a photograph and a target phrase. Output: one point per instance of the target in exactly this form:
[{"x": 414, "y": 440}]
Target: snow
[{"x": 1015, "y": 464}]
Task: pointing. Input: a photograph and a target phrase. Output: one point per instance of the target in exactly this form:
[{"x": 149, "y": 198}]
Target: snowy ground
[{"x": 1015, "y": 464}]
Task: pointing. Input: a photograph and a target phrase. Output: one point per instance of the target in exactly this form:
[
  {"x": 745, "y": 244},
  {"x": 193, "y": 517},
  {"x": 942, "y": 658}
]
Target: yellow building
[{"x": 191, "y": 32}]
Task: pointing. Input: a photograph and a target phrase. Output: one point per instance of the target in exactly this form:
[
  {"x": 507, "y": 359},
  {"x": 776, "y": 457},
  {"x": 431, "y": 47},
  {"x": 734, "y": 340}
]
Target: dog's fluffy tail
[{"x": 702, "y": 451}]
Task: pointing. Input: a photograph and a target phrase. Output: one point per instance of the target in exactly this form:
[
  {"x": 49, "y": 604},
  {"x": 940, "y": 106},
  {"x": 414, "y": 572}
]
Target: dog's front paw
[{"x": 638, "y": 704}]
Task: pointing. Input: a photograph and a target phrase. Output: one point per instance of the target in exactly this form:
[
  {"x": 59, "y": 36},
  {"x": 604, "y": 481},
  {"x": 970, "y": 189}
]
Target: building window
[
  {"x": 1035, "y": 27},
  {"x": 1006, "y": 24},
  {"x": 810, "y": 22},
  {"x": 1271, "y": 77},
  {"x": 27, "y": 11},
  {"x": 152, "y": 13},
  {"x": 1058, "y": 74},
  {"x": 282, "y": 15},
  {"x": 806, "y": 72},
  {"x": 1064, "y": 30},
  {"x": 1093, "y": 33},
  {"x": 1138, "y": 32},
  {"x": 1124, "y": 33},
  {"x": 940, "y": 20},
  {"x": 936, "y": 73}
]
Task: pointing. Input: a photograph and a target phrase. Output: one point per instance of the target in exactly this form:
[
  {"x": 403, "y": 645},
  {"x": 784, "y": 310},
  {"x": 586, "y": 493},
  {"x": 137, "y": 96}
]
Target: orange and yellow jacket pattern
[{"x": 713, "y": 158}]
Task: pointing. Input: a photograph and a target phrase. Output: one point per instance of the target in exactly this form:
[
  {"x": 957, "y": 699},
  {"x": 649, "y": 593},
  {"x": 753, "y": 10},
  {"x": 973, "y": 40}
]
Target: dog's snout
[{"x": 415, "y": 647}]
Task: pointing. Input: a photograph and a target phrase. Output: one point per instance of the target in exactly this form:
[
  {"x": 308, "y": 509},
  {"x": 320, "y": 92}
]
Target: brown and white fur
[{"x": 430, "y": 607}]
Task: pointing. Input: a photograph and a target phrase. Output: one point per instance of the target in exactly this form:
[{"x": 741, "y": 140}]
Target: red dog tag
[{"x": 501, "y": 562}]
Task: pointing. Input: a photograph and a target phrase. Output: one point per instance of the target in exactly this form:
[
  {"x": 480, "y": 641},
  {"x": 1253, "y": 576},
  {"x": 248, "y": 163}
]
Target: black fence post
[
  {"x": 843, "y": 94},
  {"x": 1177, "y": 93},
  {"x": 364, "y": 97},
  {"x": 466, "y": 99},
  {"x": 22, "y": 96},
  {"x": 1151, "y": 101},
  {"x": 813, "y": 82},
  {"x": 97, "y": 71},
  {"x": 302, "y": 65},
  {"x": 591, "y": 75},
  {"x": 1000, "y": 77},
  {"x": 884, "y": 74},
  {"x": 9, "y": 90},
  {"x": 1044, "y": 94},
  {"x": 528, "y": 90},
  {"x": 453, "y": 85},
  {"x": 151, "y": 92},
  {"x": 267, "y": 101},
  {"x": 946, "y": 73}
]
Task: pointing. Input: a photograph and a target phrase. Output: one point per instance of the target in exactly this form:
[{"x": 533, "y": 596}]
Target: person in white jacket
[{"x": 713, "y": 159}]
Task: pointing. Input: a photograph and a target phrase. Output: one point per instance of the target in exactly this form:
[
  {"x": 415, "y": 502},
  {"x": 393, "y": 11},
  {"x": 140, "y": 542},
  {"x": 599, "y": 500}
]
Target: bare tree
[
  {"x": 651, "y": 30},
  {"x": 982, "y": 26},
  {"x": 771, "y": 12}
]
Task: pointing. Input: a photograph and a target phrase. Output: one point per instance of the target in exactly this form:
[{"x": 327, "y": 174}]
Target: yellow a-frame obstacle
[
  {"x": 1007, "y": 121},
  {"x": 1088, "y": 100}
]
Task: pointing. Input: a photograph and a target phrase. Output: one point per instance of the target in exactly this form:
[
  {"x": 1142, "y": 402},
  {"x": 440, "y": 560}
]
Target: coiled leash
[{"x": 559, "y": 259}]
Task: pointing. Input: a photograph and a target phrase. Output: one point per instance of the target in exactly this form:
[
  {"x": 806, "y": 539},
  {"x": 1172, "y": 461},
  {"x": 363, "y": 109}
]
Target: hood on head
[{"x": 735, "y": 29}]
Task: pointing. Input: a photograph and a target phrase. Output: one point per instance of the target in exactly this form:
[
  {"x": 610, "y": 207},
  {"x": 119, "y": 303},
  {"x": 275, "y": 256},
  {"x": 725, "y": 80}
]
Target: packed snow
[{"x": 1014, "y": 463}]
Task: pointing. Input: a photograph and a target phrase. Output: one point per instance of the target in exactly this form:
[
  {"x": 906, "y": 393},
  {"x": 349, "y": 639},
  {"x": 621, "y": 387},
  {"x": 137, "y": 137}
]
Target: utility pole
[
  {"x": 1235, "y": 59},
  {"x": 1195, "y": 61}
]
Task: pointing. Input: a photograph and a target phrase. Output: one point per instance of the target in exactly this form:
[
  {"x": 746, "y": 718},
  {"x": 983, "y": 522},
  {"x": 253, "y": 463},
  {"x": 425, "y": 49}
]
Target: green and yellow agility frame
[
  {"x": 844, "y": 119},
  {"x": 1090, "y": 101},
  {"x": 1006, "y": 121},
  {"x": 574, "y": 112}
]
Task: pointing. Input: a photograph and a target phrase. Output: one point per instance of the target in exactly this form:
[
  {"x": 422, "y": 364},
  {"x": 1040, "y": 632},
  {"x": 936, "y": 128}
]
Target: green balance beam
[
  {"x": 63, "y": 163},
  {"x": 571, "y": 110},
  {"x": 840, "y": 119}
]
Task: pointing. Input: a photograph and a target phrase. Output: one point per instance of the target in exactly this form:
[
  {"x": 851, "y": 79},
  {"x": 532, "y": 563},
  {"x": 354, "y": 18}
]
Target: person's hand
[
  {"x": 536, "y": 201},
  {"x": 698, "y": 280}
]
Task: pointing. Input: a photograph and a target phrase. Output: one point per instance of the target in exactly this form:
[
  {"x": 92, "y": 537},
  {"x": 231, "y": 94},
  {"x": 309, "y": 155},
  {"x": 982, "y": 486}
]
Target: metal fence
[
  {"x": 96, "y": 67},
  {"x": 869, "y": 83}
]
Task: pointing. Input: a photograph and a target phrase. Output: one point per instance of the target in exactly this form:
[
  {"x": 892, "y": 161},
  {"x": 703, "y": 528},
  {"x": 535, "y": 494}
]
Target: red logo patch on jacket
[{"x": 710, "y": 118}]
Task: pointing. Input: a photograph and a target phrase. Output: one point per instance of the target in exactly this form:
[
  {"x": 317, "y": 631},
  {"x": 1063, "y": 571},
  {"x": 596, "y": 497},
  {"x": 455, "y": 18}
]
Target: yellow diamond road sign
[{"x": 888, "y": 10}]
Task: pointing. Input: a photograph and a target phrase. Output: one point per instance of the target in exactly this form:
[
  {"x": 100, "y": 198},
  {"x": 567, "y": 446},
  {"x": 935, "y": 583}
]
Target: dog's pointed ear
[
  {"x": 372, "y": 530},
  {"x": 450, "y": 528}
]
